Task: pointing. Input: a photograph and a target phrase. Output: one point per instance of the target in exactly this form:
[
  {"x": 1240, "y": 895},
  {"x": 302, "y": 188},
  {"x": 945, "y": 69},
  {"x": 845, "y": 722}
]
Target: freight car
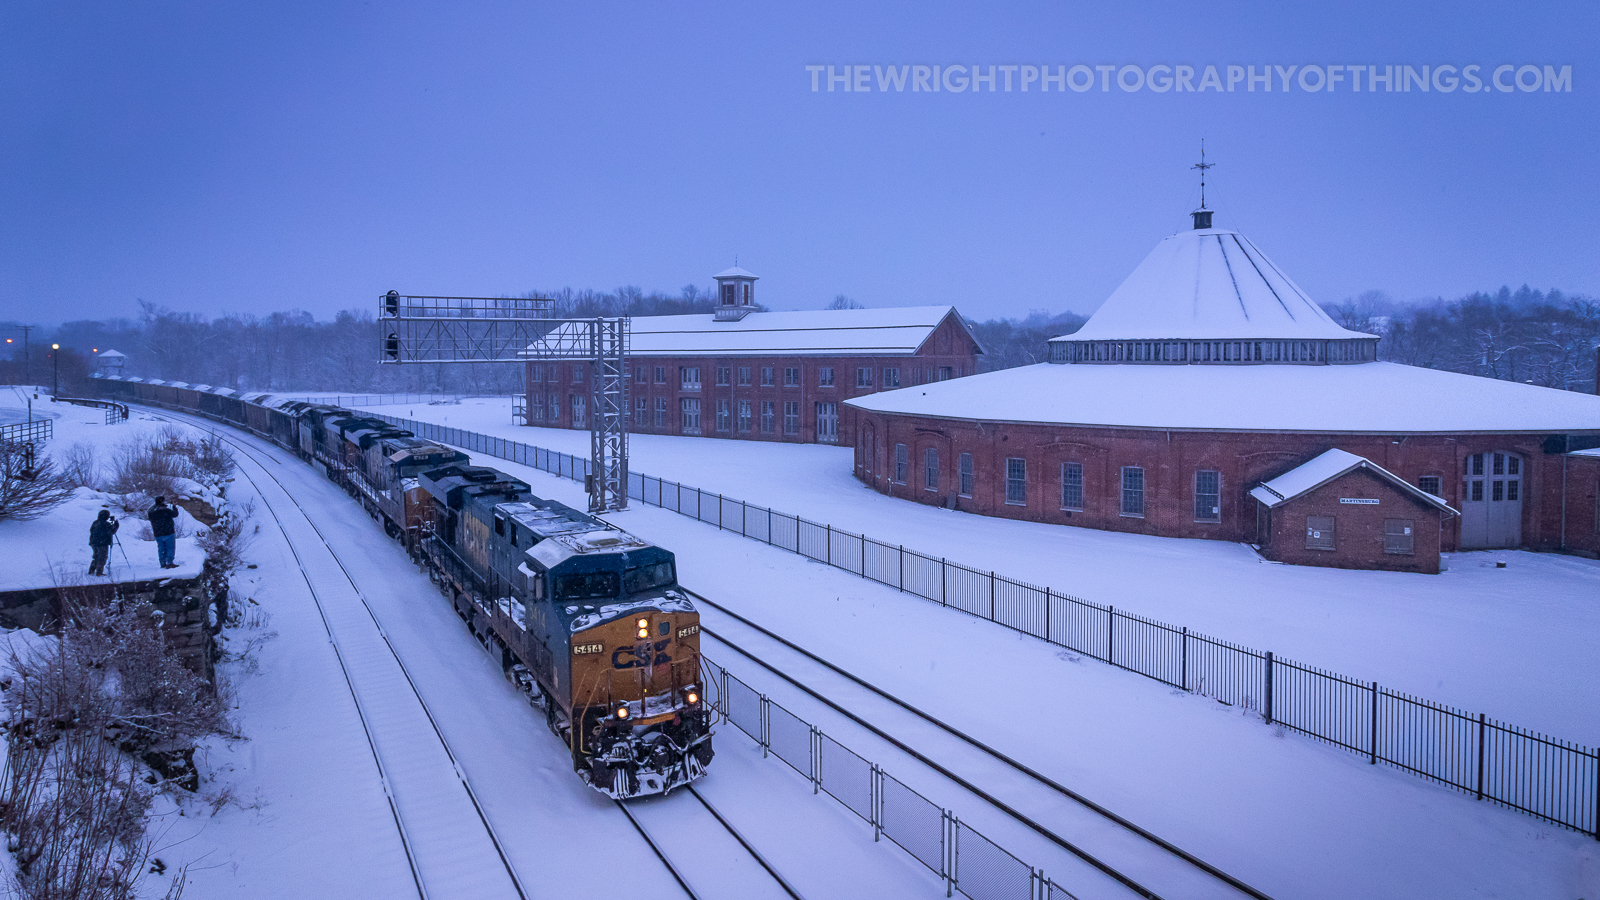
[{"x": 588, "y": 620}]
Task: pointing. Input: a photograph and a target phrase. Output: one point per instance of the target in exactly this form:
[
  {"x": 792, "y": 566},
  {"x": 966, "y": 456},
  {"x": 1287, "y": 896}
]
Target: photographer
[
  {"x": 161, "y": 518},
  {"x": 101, "y": 534}
]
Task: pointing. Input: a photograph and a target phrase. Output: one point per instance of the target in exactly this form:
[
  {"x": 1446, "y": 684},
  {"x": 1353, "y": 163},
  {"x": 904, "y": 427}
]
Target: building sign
[{"x": 1359, "y": 501}]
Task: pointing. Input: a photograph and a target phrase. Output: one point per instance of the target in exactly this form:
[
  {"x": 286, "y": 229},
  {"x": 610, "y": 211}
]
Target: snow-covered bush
[
  {"x": 80, "y": 465},
  {"x": 30, "y": 485},
  {"x": 85, "y": 715}
]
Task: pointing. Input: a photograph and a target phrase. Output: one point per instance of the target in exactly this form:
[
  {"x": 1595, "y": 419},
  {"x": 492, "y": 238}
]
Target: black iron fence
[
  {"x": 968, "y": 863},
  {"x": 1544, "y": 776},
  {"x": 34, "y": 432}
]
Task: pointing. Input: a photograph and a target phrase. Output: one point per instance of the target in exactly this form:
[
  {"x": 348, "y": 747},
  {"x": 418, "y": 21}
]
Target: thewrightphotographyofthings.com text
[{"x": 1508, "y": 78}]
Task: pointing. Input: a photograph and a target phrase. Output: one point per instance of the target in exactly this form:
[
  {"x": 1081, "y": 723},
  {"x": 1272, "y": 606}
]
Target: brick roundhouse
[
  {"x": 748, "y": 374},
  {"x": 1207, "y": 373}
]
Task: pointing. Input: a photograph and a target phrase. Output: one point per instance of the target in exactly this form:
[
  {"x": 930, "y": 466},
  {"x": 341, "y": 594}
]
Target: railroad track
[
  {"x": 437, "y": 878},
  {"x": 1106, "y": 843},
  {"x": 449, "y": 842}
]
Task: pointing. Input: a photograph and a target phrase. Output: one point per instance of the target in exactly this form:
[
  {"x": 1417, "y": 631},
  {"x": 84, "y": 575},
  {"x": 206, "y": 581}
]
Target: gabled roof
[
  {"x": 1335, "y": 463},
  {"x": 1209, "y": 284},
  {"x": 892, "y": 331}
]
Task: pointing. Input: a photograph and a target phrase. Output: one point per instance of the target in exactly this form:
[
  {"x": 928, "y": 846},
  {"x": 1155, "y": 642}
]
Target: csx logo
[{"x": 630, "y": 658}]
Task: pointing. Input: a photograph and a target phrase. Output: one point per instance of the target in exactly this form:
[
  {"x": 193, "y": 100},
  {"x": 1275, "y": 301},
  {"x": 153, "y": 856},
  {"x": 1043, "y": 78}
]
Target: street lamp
[
  {"x": 55, "y": 359},
  {"x": 27, "y": 368}
]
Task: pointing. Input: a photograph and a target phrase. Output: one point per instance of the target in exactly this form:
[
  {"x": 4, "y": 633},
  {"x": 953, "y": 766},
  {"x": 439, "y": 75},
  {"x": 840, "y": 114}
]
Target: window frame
[
  {"x": 1438, "y": 484},
  {"x": 891, "y": 377},
  {"x": 744, "y": 376},
  {"x": 661, "y": 374},
  {"x": 791, "y": 376},
  {"x": 768, "y": 376},
  {"x": 724, "y": 415},
  {"x": 930, "y": 469},
  {"x": 1133, "y": 493},
  {"x": 1075, "y": 483},
  {"x": 689, "y": 415},
  {"x": 902, "y": 462},
  {"x": 966, "y": 476},
  {"x": 1216, "y": 495},
  {"x": 1391, "y": 539},
  {"x": 825, "y": 376},
  {"x": 689, "y": 378},
  {"x": 863, "y": 376},
  {"x": 1315, "y": 526},
  {"x": 743, "y": 418},
  {"x": 724, "y": 376},
  {"x": 660, "y": 418},
  {"x": 769, "y": 416},
  {"x": 791, "y": 417},
  {"x": 1016, "y": 481}
]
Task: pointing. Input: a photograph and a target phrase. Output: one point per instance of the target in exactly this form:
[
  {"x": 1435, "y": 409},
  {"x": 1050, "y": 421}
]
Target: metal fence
[
  {"x": 969, "y": 863},
  {"x": 34, "y": 432},
  {"x": 1546, "y": 777}
]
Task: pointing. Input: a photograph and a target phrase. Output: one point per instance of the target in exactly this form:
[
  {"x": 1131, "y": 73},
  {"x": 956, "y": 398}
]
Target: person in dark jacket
[
  {"x": 100, "y": 536},
  {"x": 161, "y": 518}
]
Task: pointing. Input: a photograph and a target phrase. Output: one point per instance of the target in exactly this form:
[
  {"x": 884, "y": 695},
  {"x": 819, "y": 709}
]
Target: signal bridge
[{"x": 419, "y": 330}]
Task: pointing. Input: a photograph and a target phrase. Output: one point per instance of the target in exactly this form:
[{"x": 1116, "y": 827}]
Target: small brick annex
[{"x": 1358, "y": 506}]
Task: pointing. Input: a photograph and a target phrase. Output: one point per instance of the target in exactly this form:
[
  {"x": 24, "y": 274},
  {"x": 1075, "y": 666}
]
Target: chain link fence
[
  {"x": 1549, "y": 778},
  {"x": 969, "y": 863}
]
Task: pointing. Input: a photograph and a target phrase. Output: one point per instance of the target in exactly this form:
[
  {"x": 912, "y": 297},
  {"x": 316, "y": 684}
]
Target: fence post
[
  {"x": 863, "y": 567},
  {"x": 875, "y": 799},
  {"x": 1183, "y": 660},
  {"x": 902, "y": 568},
  {"x": 744, "y": 511},
  {"x": 1481, "y": 730},
  {"x": 1374, "y": 760},
  {"x": 1111, "y": 633},
  {"x": 827, "y": 549},
  {"x": 947, "y": 836},
  {"x": 769, "y": 526},
  {"x": 943, "y": 580},
  {"x": 765, "y": 717},
  {"x": 1269, "y": 687},
  {"x": 816, "y": 760},
  {"x": 1047, "y": 605},
  {"x": 991, "y": 595}
]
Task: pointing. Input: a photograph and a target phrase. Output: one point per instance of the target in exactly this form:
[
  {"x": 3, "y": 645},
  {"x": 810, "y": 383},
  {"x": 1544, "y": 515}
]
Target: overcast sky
[{"x": 264, "y": 156}]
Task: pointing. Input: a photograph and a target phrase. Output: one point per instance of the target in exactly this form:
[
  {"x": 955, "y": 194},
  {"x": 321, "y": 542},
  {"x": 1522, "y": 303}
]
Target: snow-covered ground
[
  {"x": 1516, "y": 643},
  {"x": 1294, "y": 817}
]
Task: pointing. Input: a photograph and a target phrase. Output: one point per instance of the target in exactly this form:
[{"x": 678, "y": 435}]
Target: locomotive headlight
[
  {"x": 622, "y": 710},
  {"x": 644, "y": 627},
  {"x": 692, "y": 698}
]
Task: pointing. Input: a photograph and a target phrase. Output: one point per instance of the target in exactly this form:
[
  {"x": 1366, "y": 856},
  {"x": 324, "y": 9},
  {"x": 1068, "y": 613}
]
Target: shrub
[
  {"x": 81, "y": 465},
  {"x": 30, "y": 486}
]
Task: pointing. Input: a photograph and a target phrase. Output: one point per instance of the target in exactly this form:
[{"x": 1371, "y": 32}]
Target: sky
[{"x": 248, "y": 158}]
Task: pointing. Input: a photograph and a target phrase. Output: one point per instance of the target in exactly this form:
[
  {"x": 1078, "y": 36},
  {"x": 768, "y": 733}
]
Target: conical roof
[{"x": 1209, "y": 284}]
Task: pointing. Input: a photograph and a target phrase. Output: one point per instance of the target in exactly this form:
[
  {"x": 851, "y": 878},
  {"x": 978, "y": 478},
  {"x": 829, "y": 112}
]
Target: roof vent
[{"x": 1202, "y": 219}]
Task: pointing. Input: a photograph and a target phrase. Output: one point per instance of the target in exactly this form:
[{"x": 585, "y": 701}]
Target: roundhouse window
[
  {"x": 966, "y": 474},
  {"x": 1132, "y": 491},
  {"x": 1072, "y": 486},
  {"x": 900, "y": 463},
  {"x": 1207, "y": 496},
  {"x": 930, "y": 469}
]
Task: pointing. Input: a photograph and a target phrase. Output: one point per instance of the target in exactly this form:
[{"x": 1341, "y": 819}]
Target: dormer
[{"x": 736, "y": 294}]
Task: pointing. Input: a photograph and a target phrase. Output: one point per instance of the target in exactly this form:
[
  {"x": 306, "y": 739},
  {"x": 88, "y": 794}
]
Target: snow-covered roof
[
  {"x": 110, "y": 354},
  {"x": 736, "y": 272},
  {"x": 1372, "y": 398},
  {"x": 893, "y": 331},
  {"x": 1209, "y": 284},
  {"x": 1332, "y": 464}
]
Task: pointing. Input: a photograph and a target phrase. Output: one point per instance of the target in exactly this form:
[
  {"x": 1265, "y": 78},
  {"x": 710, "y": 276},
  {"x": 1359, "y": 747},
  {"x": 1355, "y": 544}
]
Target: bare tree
[
  {"x": 840, "y": 301},
  {"x": 30, "y": 486}
]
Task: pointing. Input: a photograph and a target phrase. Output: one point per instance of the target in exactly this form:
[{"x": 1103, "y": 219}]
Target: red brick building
[
  {"x": 754, "y": 375},
  {"x": 1207, "y": 373}
]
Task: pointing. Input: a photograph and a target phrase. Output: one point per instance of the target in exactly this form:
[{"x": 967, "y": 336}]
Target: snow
[
  {"x": 1210, "y": 284},
  {"x": 892, "y": 331},
  {"x": 736, "y": 272},
  {"x": 1516, "y": 643},
  {"x": 1325, "y": 467},
  {"x": 1292, "y": 816},
  {"x": 1362, "y": 398},
  {"x": 53, "y": 550}
]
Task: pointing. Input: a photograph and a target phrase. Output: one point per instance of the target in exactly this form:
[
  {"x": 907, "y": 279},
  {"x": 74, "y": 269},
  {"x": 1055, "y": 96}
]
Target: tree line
[{"x": 1546, "y": 338}]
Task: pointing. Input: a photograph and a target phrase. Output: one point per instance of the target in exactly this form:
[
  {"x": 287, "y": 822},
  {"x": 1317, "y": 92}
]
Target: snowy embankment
[
  {"x": 1292, "y": 816},
  {"x": 1515, "y": 643}
]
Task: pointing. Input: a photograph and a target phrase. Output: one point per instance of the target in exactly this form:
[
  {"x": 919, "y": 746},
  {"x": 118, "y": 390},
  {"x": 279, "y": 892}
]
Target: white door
[
  {"x": 827, "y": 423},
  {"x": 1491, "y": 501}
]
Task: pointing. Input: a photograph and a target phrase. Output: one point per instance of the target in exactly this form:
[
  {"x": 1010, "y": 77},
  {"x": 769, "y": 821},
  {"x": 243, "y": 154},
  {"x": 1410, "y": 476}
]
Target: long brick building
[
  {"x": 754, "y": 375},
  {"x": 1207, "y": 374}
]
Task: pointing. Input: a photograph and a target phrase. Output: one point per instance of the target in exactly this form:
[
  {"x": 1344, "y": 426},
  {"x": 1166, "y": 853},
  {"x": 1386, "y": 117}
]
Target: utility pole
[{"x": 27, "y": 367}]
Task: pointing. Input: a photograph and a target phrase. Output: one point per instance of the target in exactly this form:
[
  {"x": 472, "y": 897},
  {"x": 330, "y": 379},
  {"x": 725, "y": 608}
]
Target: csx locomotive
[{"x": 587, "y": 619}]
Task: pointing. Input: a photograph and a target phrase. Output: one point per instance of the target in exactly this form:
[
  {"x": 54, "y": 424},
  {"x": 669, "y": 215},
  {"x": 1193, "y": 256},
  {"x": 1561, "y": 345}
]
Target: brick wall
[
  {"x": 1358, "y": 528},
  {"x": 1170, "y": 460}
]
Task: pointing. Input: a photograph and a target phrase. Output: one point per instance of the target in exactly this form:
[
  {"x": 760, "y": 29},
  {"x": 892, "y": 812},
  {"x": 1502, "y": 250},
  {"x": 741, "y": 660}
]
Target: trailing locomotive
[{"x": 588, "y": 620}]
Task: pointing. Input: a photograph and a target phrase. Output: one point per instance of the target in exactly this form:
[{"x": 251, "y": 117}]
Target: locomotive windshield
[
  {"x": 586, "y": 586},
  {"x": 645, "y": 578}
]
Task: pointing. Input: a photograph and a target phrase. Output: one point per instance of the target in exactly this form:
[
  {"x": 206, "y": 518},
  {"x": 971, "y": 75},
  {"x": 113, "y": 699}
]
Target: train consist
[{"x": 588, "y": 620}]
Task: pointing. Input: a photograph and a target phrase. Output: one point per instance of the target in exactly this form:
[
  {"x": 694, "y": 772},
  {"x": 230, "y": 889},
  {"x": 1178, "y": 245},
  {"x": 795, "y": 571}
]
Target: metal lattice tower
[{"x": 441, "y": 330}]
